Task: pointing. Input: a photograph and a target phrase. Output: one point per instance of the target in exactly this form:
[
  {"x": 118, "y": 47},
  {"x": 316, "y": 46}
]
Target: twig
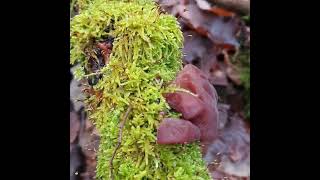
[
  {"x": 93, "y": 74},
  {"x": 239, "y": 6},
  {"x": 122, "y": 123}
]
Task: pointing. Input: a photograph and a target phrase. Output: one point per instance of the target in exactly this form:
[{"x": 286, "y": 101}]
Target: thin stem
[
  {"x": 122, "y": 123},
  {"x": 93, "y": 74}
]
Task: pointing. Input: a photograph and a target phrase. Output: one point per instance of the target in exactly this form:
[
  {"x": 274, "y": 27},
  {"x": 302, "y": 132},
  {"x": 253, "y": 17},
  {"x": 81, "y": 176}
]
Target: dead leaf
[
  {"x": 172, "y": 7},
  {"x": 231, "y": 70},
  {"x": 218, "y": 77},
  {"x": 219, "y": 175},
  {"x": 76, "y": 161},
  {"x": 221, "y": 30},
  {"x": 74, "y": 126},
  {"x": 222, "y": 12},
  {"x": 229, "y": 155},
  {"x": 220, "y": 25},
  {"x": 196, "y": 48},
  {"x": 213, "y": 35},
  {"x": 204, "y": 5},
  {"x": 234, "y": 74},
  {"x": 75, "y": 92},
  {"x": 223, "y": 114},
  {"x": 199, "y": 51},
  {"x": 89, "y": 142}
]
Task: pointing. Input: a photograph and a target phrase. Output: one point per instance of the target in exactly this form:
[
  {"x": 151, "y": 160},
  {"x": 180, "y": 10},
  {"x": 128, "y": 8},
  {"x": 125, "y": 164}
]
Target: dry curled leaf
[
  {"x": 220, "y": 29},
  {"x": 229, "y": 155},
  {"x": 202, "y": 53},
  {"x": 218, "y": 24},
  {"x": 197, "y": 49}
]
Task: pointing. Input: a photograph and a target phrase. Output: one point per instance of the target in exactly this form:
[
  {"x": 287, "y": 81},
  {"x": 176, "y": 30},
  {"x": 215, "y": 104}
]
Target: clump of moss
[{"x": 145, "y": 57}]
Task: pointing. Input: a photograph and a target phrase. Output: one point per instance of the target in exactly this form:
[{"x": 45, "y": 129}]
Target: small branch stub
[
  {"x": 122, "y": 123},
  {"x": 238, "y": 6}
]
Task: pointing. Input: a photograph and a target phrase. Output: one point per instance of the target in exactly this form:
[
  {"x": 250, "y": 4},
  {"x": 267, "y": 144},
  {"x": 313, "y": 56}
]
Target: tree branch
[
  {"x": 122, "y": 123},
  {"x": 239, "y": 6}
]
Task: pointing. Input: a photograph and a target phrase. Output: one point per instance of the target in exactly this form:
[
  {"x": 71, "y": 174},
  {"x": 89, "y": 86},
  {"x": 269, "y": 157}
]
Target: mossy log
[{"x": 144, "y": 58}]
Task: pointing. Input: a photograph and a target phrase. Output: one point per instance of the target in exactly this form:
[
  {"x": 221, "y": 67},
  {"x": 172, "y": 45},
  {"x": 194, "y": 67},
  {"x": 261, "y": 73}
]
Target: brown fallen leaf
[
  {"x": 231, "y": 70},
  {"x": 74, "y": 126},
  {"x": 210, "y": 36},
  {"x": 222, "y": 12},
  {"x": 234, "y": 74},
  {"x": 241, "y": 7},
  {"x": 205, "y": 5},
  {"x": 218, "y": 24},
  {"x": 220, "y": 175},
  {"x": 223, "y": 31},
  {"x": 220, "y": 29},
  {"x": 212, "y": 60},
  {"x": 196, "y": 49},
  {"x": 218, "y": 77},
  {"x": 75, "y": 92},
  {"x": 77, "y": 165},
  {"x": 229, "y": 155},
  {"x": 89, "y": 142},
  {"x": 200, "y": 51}
]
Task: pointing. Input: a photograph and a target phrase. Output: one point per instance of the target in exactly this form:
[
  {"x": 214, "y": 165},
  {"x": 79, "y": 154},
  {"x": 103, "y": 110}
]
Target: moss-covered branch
[{"x": 145, "y": 56}]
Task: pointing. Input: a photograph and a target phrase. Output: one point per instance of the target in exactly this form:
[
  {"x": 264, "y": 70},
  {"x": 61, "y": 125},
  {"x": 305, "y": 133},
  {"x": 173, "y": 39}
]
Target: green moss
[
  {"x": 246, "y": 19},
  {"x": 146, "y": 56}
]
